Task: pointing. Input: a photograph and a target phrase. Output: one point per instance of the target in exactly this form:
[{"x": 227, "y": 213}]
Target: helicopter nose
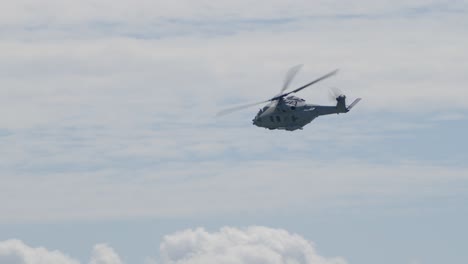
[{"x": 257, "y": 120}]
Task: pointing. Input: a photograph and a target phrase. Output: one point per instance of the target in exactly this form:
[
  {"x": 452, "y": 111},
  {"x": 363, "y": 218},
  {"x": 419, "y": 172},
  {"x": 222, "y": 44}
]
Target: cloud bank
[
  {"x": 103, "y": 254},
  {"x": 229, "y": 245},
  {"x": 253, "y": 245},
  {"x": 17, "y": 252}
]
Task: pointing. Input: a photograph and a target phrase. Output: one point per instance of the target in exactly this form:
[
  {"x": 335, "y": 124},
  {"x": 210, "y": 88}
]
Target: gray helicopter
[{"x": 288, "y": 112}]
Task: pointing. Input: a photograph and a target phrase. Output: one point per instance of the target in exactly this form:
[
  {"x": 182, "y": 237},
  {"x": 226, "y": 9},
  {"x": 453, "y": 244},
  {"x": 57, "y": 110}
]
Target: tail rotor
[{"x": 335, "y": 94}]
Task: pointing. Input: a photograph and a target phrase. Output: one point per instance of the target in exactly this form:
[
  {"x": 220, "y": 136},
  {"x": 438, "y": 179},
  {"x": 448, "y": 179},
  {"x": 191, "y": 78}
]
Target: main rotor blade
[
  {"x": 240, "y": 107},
  {"x": 307, "y": 85},
  {"x": 271, "y": 109},
  {"x": 290, "y": 76}
]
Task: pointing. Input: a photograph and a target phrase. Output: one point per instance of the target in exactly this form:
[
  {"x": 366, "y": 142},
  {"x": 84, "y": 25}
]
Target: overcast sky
[{"x": 111, "y": 152}]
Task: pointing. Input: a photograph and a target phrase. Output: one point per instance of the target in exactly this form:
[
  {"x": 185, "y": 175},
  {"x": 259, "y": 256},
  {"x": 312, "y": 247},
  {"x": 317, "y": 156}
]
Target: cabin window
[
  {"x": 271, "y": 119},
  {"x": 293, "y": 108},
  {"x": 278, "y": 119}
]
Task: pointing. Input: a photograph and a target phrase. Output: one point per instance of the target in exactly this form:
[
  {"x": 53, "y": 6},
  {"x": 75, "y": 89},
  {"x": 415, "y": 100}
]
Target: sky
[{"x": 111, "y": 151}]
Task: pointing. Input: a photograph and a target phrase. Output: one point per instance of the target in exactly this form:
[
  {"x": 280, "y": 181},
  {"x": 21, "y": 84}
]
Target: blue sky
[{"x": 109, "y": 135}]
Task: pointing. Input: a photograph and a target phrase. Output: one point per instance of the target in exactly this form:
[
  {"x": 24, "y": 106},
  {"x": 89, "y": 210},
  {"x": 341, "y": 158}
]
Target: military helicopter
[{"x": 287, "y": 112}]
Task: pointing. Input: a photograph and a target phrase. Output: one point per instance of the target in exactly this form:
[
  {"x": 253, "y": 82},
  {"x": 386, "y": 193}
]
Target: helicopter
[{"x": 287, "y": 112}]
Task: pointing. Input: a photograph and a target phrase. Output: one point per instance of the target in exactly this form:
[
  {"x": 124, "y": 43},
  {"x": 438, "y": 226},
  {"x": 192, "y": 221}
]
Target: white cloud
[
  {"x": 253, "y": 245},
  {"x": 103, "y": 254},
  {"x": 16, "y": 252}
]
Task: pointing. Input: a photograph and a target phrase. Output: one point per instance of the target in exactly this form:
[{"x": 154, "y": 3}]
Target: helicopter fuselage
[
  {"x": 292, "y": 113},
  {"x": 289, "y": 112}
]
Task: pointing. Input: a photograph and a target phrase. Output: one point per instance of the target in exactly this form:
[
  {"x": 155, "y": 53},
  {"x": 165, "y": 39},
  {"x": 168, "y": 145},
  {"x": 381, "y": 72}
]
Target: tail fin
[{"x": 341, "y": 104}]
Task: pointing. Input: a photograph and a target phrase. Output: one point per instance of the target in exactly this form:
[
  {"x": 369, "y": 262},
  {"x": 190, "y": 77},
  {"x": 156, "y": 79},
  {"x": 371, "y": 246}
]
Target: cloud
[
  {"x": 93, "y": 119},
  {"x": 229, "y": 245},
  {"x": 184, "y": 189},
  {"x": 449, "y": 117},
  {"x": 16, "y": 252},
  {"x": 146, "y": 11},
  {"x": 253, "y": 245},
  {"x": 50, "y": 78},
  {"x": 103, "y": 254}
]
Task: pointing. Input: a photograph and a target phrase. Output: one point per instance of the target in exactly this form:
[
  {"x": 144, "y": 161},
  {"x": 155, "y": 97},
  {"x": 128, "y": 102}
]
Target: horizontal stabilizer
[{"x": 353, "y": 104}]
